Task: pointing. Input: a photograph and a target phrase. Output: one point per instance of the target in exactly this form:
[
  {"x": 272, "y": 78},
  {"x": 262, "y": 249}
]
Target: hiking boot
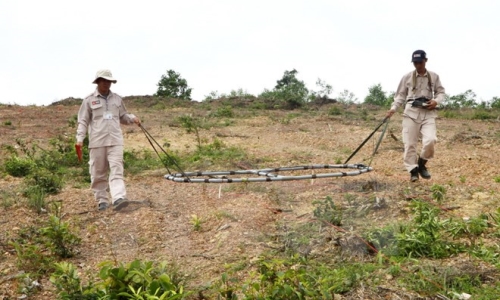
[
  {"x": 102, "y": 206},
  {"x": 414, "y": 174},
  {"x": 422, "y": 169},
  {"x": 120, "y": 203}
]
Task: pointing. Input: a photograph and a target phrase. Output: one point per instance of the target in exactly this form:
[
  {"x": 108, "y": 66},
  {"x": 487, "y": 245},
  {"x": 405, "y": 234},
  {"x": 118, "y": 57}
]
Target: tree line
[{"x": 290, "y": 92}]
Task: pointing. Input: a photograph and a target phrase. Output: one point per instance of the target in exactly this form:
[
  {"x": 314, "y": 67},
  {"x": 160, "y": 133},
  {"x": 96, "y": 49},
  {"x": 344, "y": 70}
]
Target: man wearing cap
[
  {"x": 101, "y": 114},
  {"x": 420, "y": 91}
]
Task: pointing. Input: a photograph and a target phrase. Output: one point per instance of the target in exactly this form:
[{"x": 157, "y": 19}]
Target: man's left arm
[{"x": 126, "y": 118}]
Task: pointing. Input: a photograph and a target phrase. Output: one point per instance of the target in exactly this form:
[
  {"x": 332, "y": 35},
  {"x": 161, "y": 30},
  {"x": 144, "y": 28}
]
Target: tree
[
  {"x": 466, "y": 99},
  {"x": 325, "y": 90},
  {"x": 347, "y": 97},
  {"x": 291, "y": 90},
  {"x": 377, "y": 96},
  {"x": 172, "y": 85},
  {"x": 495, "y": 102}
]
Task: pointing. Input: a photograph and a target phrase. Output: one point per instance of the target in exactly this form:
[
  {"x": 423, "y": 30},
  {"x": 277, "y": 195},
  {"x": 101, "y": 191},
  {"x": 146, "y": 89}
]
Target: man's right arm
[
  {"x": 399, "y": 96},
  {"x": 84, "y": 116}
]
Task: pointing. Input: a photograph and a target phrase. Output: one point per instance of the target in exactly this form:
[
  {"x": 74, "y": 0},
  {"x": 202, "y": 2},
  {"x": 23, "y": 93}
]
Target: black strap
[
  {"x": 366, "y": 140},
  {"x": 429, "y": 81},
  {"x": 151, "y": 140}
]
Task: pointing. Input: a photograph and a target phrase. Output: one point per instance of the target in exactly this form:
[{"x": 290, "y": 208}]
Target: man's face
[
  {"x": 103, "y": 85},
  {"x": 420, "y": 65}
]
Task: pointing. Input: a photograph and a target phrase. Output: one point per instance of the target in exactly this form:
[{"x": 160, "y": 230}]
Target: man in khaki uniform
[
  {"x": 101, "y": 114},
  {"x": 419, "y": 116}
]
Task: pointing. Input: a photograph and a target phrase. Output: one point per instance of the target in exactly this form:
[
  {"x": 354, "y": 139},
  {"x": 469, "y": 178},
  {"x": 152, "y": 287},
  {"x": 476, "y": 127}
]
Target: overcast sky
[{"x": 52, "y": 49}]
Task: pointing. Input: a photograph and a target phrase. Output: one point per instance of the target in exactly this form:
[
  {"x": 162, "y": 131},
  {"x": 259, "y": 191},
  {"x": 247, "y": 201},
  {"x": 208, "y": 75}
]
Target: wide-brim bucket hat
[{"x": 105, "y": 74}]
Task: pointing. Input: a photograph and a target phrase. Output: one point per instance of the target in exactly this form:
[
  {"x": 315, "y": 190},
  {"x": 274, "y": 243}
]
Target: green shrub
[
  {"x": 136, "y": 280},
  {"x": 216, "y": 151},
  {"x": 294, "y": 278},
  {"x": 449, "y": 114},
  {"x": 425, "y": 236},
  {"x": 18, "y": 167},
  {"x": 31, "y": 252},
  {"x": 327, "y": 211},
  {"x": 223, "y": 112},
  {"x": 483, "y": 115},
  {"x": 136, "y": 161},
  {"x": 36, "y": 198},
  {"x": 59, "y": 236},
  {"x": 334, "y": 111},
  {"x": 47, "y": 181}
]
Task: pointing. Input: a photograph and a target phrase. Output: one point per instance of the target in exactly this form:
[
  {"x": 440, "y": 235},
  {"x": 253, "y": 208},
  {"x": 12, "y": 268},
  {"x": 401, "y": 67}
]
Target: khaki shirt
[
  {"x": 406, "y": 92},
  {"x": 102, "y": 116}
]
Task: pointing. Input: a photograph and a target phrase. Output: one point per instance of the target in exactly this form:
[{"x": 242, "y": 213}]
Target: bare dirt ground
[{"x": 239, "y": 218}]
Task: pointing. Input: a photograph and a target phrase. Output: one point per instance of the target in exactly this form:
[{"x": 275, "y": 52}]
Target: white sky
[{"x": 52, "y": 49}]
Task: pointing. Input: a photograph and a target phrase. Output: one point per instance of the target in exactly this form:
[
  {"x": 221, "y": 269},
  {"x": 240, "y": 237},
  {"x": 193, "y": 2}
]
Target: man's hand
[
  {"x": 79, "y": 144},
  {"x": 390, "y": 112},
  {"x": 137, "y": 121},
  {"x": 431, "y": 104}
]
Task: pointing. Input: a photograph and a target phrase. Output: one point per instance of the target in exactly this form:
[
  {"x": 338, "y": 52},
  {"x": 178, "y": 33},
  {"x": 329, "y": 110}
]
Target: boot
[
  {"x": 422, "y": 169},
  {"x": 414, "y": 174}
]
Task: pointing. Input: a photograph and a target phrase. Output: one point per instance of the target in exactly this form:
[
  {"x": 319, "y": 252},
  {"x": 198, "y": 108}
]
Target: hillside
[{"x": 207, "y": 230}]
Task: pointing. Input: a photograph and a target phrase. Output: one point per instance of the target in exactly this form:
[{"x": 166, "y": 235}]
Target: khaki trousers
[
  {"x": 104, "y": 160},
  {"x": 412, "y": 128}
]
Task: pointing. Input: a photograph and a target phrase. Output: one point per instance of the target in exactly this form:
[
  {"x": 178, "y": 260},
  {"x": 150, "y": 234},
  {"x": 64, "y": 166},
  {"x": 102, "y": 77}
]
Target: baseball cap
[
  {"x": 418, "y": 56},
  {"x": 106, "y": 74}
]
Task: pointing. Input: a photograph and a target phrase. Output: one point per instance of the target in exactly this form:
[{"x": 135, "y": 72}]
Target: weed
[
  {"x": 350, "y": 198},
  {"x": 424, "y": 236},
  {"x": 449, "y": 114},
  {"x": 223, "y": 112},
  {"x": 482, "y": 115},
  {"x": 438, "y": 192},
  {"x": 68, "y": 283},
  {"x": 225, "y": 215},
  {"x": 327, "y": 211},
  {"x": 497, "y": 179},
  {"x": 72, "y": 121},
  {"x": 59, "y": 236},
  {"x": 29, "y": 286},
  {"x": 288, "y": 118},
  {"x": 36, "y": 198},
  {"x": 299, "y": 278},
  {"x": 196, "y": 222},
  {"x": 45, "y": 180},
  {"x": 462, "y": 178},
  {"x": 172, "y": 160},
  {"x": 191, "y": 125},
  {"x": 136, "y": 161},
  {"x": 19, "y": 167},
  {"x": 7, "y": 123},
  {"x": 334, "y": 111},
  {"x": 7, "y": 199},
  {"x": 136, "y": 280},
  {"x": 364, "y": 114},
  {"x": 471, "y": 228},
  {"x": 31, "y": 257},
  {"x": 216, "y": 151}
]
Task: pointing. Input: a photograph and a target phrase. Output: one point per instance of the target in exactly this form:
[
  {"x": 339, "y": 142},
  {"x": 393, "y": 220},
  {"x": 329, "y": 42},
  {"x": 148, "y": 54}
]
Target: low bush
[
  {"x": 136, "y": 280},
  {"x": 19, "y": 167}
]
